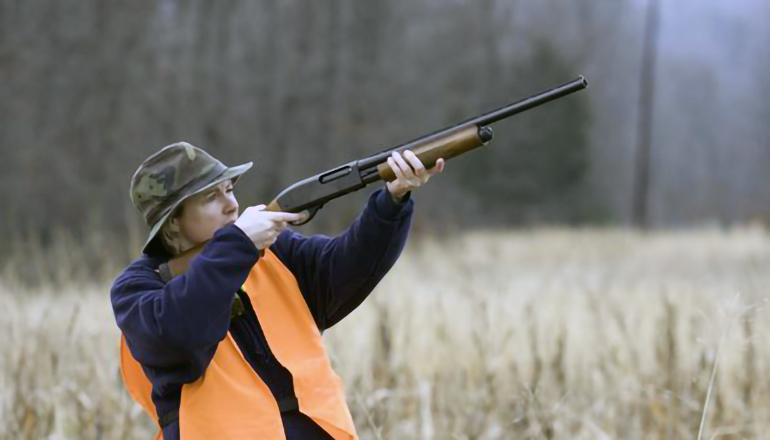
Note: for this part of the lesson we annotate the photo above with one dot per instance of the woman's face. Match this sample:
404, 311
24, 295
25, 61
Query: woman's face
206, 212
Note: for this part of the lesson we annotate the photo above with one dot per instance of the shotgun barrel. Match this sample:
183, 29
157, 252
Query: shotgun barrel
491, 117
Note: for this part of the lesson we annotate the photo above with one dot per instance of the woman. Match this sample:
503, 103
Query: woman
232, 348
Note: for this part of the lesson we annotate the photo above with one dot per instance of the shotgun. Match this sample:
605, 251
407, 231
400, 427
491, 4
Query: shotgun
314, 192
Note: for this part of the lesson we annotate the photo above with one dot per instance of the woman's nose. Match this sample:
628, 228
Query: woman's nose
232, 204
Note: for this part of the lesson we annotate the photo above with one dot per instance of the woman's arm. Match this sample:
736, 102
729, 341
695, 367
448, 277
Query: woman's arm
166, 324
337, 274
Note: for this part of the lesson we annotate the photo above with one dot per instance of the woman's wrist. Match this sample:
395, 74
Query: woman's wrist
397, 198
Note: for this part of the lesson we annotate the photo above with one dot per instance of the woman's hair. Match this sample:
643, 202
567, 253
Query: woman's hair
171, 239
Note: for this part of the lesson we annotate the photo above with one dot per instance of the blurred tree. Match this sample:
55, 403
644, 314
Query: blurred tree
646, 107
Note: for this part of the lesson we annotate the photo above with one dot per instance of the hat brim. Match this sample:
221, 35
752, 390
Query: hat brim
230, 173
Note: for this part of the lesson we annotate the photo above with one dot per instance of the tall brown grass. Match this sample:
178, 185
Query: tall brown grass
541, 334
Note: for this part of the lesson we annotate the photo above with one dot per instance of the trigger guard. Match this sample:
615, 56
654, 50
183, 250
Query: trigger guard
312, 212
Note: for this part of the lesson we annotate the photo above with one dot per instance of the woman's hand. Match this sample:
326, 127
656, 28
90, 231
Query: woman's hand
263, 227
409, 178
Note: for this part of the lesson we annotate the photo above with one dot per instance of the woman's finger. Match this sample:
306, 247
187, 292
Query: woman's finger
419, 168
407, 170
439, 167
396, 170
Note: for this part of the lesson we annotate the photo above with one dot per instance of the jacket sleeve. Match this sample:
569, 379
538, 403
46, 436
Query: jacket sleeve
337, 274
184, 320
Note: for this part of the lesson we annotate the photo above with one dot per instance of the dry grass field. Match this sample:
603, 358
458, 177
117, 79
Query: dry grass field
541, 334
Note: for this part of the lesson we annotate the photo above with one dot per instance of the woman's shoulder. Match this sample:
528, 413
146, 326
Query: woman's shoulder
145, 262
142, 268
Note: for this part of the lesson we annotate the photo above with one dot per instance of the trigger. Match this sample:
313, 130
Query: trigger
311, 214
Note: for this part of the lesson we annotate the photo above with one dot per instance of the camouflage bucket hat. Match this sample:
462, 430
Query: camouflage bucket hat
165, 179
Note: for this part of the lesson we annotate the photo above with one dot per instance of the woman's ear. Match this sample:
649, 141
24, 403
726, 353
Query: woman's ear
173, 224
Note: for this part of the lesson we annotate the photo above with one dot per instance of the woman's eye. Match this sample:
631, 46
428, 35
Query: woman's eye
229, 190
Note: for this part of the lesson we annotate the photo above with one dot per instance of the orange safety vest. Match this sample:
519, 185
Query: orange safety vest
230, 400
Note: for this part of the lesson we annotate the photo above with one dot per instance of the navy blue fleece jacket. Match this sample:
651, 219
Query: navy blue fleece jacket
173, 329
